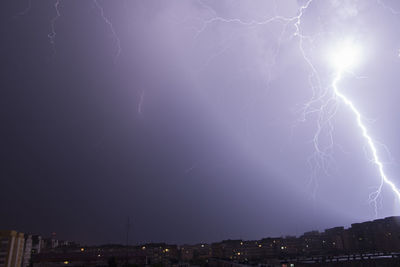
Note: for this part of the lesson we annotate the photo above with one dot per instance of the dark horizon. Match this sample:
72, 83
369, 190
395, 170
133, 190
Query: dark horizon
195, 119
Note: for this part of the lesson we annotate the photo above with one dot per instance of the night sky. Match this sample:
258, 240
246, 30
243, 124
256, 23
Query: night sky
189, 125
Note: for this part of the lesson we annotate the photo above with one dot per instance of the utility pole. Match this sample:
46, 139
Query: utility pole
128, 226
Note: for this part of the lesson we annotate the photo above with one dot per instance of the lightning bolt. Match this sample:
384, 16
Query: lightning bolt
27, 9
140, 104
318, 160
111, 27
370, 142
52, 34
323, 102
324, 119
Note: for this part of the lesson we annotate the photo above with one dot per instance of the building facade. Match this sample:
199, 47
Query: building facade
11, 248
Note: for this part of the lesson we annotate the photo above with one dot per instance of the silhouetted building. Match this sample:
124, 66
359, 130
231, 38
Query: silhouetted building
11, 248
26, 258
36, 244
335, 241
192, 253
373, 243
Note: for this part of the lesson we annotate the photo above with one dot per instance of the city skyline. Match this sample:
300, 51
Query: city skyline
364, 244
53, 235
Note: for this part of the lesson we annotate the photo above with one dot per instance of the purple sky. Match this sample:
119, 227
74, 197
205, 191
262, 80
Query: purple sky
188, 124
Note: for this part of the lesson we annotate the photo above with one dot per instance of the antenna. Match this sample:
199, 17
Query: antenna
128, 226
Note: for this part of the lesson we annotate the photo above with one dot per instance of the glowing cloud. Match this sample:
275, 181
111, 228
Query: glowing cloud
345, 55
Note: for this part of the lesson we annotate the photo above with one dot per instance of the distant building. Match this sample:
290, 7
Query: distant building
11, 248
36, 244
313, 242
51, 243
272, 246
26, 258
335, 239
372, 243
227, 249
91, 256
195, 252
160, 253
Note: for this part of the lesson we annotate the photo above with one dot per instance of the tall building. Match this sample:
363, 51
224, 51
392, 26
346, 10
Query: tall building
11, 248
26, 259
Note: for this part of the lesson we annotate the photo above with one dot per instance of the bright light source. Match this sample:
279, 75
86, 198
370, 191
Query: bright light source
345, 55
